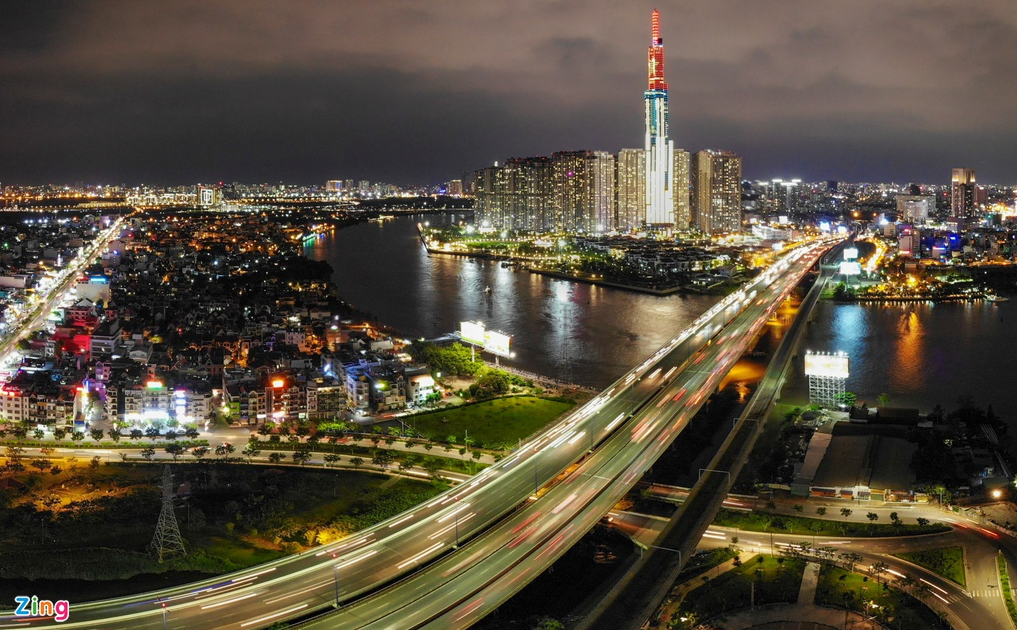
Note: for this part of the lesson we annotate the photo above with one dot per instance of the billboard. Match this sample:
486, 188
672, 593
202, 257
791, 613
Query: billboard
850, 268
472, 332
498, 343
835, 365
850, 253
491, 340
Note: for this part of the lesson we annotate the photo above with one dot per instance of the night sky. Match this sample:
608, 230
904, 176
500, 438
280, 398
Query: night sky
408, 92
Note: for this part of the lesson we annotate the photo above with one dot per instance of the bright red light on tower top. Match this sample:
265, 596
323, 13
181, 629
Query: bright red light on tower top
655, 57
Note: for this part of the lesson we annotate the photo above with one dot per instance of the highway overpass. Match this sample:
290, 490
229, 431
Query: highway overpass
482, 541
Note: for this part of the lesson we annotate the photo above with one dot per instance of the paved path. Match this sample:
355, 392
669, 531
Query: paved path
807, 594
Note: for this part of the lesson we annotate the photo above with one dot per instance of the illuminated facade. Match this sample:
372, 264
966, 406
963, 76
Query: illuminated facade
631, 190
682, 209
962, 193
717, 191
659, 150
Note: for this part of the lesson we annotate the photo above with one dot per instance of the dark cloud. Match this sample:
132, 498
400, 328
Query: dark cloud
419, 92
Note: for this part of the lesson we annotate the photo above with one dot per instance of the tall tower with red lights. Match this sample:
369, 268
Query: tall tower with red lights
659, 149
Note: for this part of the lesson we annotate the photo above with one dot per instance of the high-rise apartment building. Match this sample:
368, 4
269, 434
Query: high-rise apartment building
659, 149
631, 190
525, 186
682, 209
915, 209
571, 188
962, 197
603, 204
717, 191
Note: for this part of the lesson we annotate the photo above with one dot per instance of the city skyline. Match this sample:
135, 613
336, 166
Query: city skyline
231, 91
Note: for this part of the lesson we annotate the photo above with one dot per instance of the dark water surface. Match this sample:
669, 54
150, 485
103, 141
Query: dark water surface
920, 354
577, 332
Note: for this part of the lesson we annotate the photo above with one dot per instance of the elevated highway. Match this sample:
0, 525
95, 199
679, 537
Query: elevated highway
482, 541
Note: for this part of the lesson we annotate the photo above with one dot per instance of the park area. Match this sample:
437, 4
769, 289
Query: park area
900, 606
94, 523
494, 424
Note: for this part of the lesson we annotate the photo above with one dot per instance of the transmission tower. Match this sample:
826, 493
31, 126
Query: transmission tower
167, 538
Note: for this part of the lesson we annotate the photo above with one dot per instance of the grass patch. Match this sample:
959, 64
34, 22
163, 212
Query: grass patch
777, 580
765, 522
238, 550
946, 561
236, 516
1004, 585
840, 588
497, 423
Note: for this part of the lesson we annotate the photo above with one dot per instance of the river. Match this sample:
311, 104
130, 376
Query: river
573, 331
920, 354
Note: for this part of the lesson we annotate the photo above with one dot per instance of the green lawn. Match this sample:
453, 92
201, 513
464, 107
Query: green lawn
781, 523
842, 589
946, 561
501, 422
776, 580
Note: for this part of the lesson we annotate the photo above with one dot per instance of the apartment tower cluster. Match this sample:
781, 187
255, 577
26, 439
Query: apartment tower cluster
657, 188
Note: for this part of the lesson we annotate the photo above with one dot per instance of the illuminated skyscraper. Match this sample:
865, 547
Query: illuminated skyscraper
717, 191
962, 197
659, 150
631, 189
682, 209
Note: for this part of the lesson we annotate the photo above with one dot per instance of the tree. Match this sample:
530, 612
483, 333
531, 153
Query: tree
845, 512
199, 452
175, 449
77, 436
547, 623
878, 569
301, 457
821, 511
42, 464
922, 521
895, 518
846, 399
798, 507
96, 434
148, 453
275, 458
59, 433
331, 459
873, 517
39, 434
251, 451
225, 450
114, 434
382, 458
357, 462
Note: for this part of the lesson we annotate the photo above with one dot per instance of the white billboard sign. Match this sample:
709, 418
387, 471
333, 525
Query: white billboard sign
835, 365
472, 332
498, 343
850, 268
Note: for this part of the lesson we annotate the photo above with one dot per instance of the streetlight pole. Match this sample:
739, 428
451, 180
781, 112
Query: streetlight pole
164, 616
677, 551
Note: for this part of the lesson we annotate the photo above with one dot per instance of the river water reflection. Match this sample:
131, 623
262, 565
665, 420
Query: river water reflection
919, 354
577, 332
922, 354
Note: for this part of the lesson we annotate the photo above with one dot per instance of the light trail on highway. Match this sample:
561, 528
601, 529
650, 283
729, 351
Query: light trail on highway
620, 427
